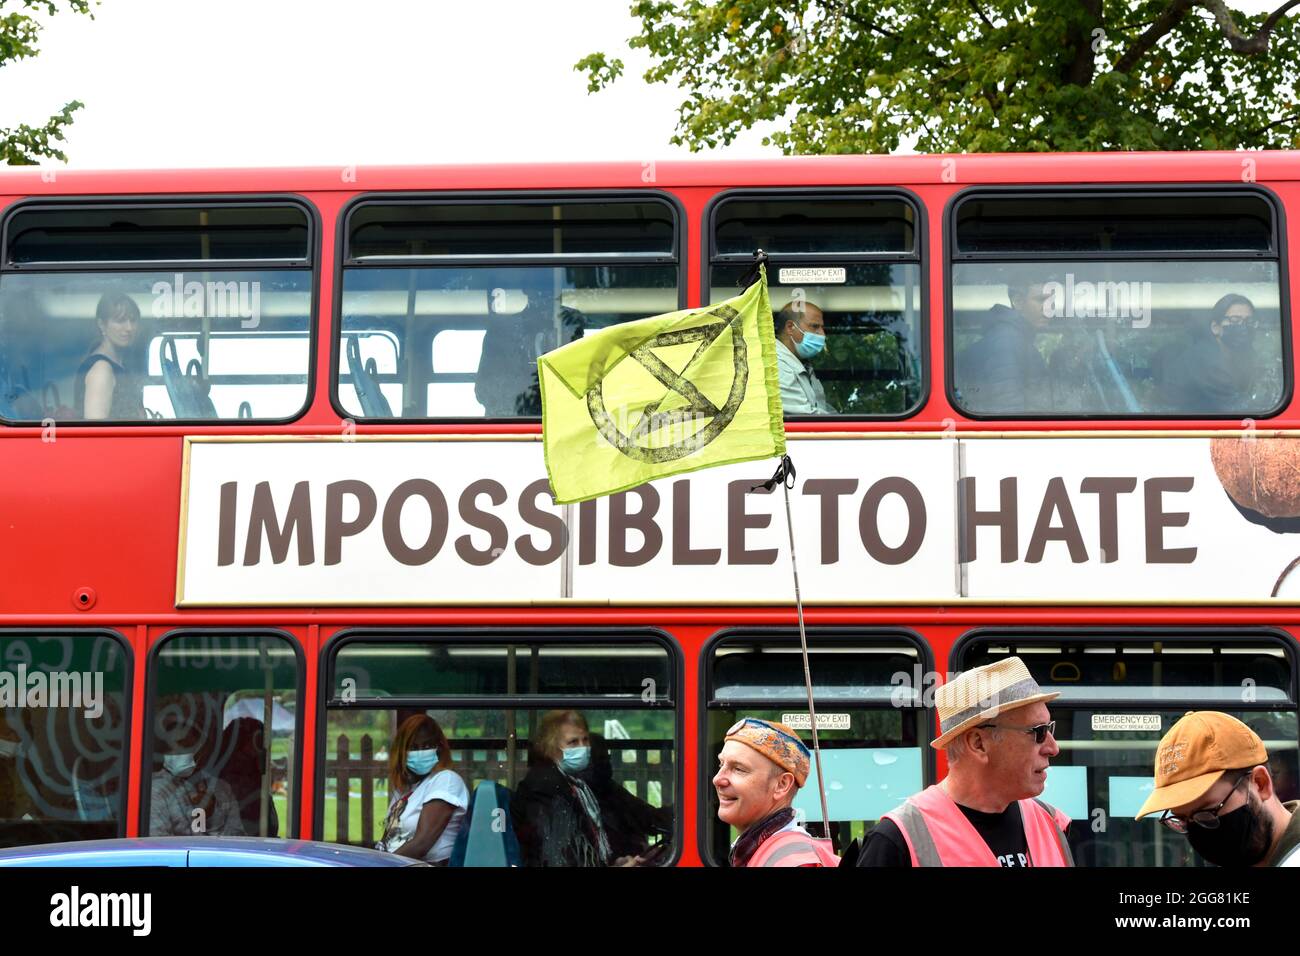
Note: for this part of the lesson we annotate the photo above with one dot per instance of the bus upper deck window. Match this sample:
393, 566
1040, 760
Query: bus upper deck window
155, 312
472, 292
844, 281
1159, 305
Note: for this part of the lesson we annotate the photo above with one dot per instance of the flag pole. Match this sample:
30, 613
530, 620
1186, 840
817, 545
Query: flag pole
785, 474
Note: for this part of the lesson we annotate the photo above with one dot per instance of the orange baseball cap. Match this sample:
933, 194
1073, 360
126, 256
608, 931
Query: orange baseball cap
1196, 752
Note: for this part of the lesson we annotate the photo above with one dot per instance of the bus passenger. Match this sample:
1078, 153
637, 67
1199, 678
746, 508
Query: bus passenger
760, 770
630, 822
105, 387
1004, 371
800, 337
1201, 766
557, 816
243, 752
186, 799
997, 733
426, 798
1213, 372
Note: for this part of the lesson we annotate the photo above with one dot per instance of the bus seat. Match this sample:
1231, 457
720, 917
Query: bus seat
199, 388
365, 379
91, 805
188, 389
488, 837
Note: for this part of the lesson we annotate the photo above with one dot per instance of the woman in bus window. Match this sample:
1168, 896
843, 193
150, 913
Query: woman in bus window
557, 816
105, 388
1215, 371
426, 798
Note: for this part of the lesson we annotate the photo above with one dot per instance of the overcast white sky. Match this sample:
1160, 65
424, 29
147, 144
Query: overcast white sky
331, 82
171, 83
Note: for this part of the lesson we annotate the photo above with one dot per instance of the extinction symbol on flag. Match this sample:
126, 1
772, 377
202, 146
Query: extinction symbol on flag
698, 410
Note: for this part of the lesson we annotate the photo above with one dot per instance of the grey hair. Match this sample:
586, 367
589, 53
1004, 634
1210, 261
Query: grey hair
957, 748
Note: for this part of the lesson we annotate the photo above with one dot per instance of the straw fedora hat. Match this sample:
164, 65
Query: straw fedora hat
983, 693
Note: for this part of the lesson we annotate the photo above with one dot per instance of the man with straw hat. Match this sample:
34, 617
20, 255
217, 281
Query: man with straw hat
760, 770
1214, 788
997, 733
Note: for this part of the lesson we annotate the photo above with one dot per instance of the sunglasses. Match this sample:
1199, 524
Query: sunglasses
1039, 731
1207, 819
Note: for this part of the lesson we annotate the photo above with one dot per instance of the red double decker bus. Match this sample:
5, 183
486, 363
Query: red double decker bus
272, 485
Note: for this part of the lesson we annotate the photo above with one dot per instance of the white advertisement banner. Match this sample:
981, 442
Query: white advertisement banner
918, 519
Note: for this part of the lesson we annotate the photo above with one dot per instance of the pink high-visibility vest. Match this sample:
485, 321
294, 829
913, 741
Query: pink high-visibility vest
794, 848
939, 834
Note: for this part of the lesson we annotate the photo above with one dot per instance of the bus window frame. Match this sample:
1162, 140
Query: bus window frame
919, 256
788, 635
1278, 254
289, 829
1115, 635
194, 200
1223, 635
491, 197
488, 635
128, 698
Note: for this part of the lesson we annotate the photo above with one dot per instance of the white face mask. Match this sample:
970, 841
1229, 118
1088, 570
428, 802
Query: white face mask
178, 764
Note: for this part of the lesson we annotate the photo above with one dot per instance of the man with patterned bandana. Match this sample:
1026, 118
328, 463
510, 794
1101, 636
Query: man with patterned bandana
760, 770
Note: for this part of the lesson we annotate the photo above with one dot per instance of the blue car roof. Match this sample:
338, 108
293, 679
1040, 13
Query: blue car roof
175, 851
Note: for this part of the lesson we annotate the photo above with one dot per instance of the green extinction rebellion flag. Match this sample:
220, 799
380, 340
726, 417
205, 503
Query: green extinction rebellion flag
661, 396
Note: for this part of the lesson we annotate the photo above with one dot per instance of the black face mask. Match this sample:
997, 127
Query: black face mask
1239, 338
1241, 838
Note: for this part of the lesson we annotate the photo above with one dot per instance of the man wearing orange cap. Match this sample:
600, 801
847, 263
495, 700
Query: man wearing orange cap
997, 733
1214, 787
760, 770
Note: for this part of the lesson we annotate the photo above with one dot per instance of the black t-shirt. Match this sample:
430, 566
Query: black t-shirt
1003, 832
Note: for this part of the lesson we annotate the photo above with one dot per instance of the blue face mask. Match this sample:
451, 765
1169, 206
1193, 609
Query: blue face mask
810, 345
575, 759
178, 764
420, 762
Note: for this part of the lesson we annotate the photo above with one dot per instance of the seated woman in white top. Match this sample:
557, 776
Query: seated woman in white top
426, 798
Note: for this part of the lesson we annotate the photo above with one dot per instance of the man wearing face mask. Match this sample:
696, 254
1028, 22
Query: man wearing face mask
800, 337
1214, 787
186, 800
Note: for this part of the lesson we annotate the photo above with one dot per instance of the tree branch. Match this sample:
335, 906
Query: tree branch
1079, 71
980, 13
870, 25
1289, 117
1152, 35
1239, 42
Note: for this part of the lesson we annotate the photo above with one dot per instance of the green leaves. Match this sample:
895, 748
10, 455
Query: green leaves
25, 145
969, 75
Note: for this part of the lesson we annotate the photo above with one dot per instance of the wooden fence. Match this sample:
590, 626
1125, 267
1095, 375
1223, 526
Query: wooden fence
637, 764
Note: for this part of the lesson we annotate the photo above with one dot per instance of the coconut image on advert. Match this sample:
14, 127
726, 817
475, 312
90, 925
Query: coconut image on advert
1262, 478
